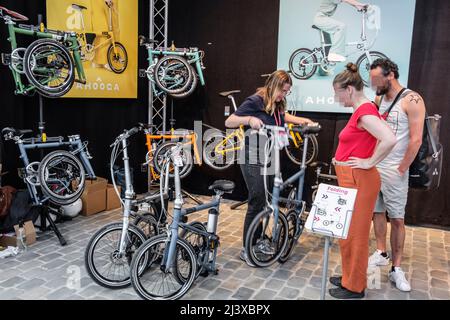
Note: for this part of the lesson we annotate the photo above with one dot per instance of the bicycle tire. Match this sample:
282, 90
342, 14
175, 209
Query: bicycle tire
57, 60
291, 218
296, 70
253, 240
147, 223
183, 250
198, 242
190, 89
62, 177
180, 70
105, 279
160, 157
111, 58
363, 65
210, 145
295, 153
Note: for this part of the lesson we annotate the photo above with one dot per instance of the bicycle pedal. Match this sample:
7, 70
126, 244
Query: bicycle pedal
6, 59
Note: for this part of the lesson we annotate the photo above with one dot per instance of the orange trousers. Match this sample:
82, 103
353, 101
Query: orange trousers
355, 249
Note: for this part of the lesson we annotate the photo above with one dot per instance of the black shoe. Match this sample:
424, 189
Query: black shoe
337, 281
342, 293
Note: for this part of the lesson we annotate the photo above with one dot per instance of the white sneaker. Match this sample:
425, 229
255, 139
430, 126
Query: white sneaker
334, 57
398, 276
376, 259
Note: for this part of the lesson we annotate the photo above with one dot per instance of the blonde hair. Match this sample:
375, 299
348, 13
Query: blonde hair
272, 88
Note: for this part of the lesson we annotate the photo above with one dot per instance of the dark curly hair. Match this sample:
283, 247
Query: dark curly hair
387, 66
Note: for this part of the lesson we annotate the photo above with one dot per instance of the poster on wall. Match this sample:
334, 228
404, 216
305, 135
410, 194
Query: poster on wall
316, 35
107, 32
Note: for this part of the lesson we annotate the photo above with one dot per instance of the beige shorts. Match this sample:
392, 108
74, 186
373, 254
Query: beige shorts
393, 194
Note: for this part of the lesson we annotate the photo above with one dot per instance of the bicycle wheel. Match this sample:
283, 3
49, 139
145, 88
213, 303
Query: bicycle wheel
103, 262
173, 74
218, 152
295, 153
190, 88
160, 157
154, 282
147, 223
198, 242
302, 63
62, 177
363, 65
291, 218
258, 242
118, 60
48, 66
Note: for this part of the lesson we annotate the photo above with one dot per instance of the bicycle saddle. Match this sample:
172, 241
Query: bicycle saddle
222, 185
316, 27
14, 15
227, 93
78, 7
318, 164
144, 40
15, 132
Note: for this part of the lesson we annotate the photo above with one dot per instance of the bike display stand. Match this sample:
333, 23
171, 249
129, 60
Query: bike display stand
326, 251
44, 214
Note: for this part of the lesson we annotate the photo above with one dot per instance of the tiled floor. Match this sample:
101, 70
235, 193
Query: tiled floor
50, 271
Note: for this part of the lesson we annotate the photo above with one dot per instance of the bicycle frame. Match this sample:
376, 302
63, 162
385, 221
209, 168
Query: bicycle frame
130, 196
192, 56
172, 134
279, 185
75, 146
110, 33
169, 255
69, 39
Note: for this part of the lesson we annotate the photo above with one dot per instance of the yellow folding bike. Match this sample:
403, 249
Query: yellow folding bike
220, 149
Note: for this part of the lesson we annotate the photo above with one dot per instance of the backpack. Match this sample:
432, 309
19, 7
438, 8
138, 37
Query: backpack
425, 170
6, 196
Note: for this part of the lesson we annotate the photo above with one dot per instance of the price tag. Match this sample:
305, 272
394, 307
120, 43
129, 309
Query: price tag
177, 160
283, 139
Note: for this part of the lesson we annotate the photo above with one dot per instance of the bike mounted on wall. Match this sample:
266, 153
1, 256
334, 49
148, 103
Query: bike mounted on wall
49, 63
171, 70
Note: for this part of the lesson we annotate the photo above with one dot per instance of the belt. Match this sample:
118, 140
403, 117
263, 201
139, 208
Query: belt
339, 163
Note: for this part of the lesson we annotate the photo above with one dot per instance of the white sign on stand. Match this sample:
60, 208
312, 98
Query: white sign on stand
331, 211
330, 215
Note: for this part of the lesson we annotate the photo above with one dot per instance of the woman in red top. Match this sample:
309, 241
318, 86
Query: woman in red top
365, 141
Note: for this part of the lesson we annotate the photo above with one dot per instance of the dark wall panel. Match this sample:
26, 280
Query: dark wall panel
240, 42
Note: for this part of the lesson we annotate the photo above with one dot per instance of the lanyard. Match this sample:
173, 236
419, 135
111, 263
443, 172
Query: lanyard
277, 119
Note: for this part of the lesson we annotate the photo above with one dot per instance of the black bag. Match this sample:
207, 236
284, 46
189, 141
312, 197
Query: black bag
425, 170
21, 210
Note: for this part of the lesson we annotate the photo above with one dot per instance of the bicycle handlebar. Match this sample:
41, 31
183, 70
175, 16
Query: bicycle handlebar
308, 129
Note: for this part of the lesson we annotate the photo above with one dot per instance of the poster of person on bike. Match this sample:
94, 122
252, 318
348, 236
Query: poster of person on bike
317, 38
107, 31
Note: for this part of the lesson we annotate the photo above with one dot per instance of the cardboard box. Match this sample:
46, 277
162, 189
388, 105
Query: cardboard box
30, 234
94, 196
112, 200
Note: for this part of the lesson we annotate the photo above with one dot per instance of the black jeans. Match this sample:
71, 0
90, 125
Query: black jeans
254, 180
